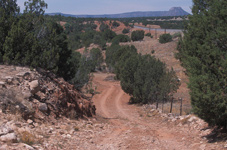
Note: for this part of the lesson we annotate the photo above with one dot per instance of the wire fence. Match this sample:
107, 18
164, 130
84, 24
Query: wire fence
177, 107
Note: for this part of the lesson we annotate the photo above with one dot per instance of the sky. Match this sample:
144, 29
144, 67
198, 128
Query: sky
96, 7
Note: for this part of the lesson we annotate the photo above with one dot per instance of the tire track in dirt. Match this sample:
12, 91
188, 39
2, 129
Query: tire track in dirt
112, 104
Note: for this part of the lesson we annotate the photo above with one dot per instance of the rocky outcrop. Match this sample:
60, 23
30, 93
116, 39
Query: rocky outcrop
40, 95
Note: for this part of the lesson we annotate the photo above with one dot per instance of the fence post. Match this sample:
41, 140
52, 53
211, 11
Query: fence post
155, 33
181, 106
171, 106
156, 100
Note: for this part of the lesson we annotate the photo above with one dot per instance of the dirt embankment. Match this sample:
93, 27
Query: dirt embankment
40, 95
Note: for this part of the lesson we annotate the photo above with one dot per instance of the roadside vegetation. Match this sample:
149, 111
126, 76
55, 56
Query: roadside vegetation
165, 38
203, 53
137, 35
145, 78
31, 39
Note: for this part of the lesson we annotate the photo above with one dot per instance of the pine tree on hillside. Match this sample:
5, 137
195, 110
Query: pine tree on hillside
8, 16
203, 51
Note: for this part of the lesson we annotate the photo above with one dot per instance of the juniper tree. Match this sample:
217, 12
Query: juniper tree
203, 51
9, 11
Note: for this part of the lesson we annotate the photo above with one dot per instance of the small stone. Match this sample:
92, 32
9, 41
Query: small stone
5, 130
11, 137
4, 147
2, 84
68, 136
36, 124
21, 74
9, 79
203, 147
29, 121
25, 146
43, 107
27, 94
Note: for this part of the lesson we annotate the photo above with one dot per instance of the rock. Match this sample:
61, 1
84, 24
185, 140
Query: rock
29, 121
27, 94
11, 137
191, 119
4, 147
5, 130
2, 84
25, 146
22, 74
43, 107
203, 147
9, 79
34, 86
68, 136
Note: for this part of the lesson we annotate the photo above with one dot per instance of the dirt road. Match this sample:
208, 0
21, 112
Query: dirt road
133, 129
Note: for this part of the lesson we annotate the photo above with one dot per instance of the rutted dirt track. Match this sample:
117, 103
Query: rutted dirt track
132, 129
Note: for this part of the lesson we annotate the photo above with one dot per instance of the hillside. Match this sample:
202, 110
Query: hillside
117, 125
174, 11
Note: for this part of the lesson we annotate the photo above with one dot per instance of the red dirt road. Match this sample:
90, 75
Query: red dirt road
132, 129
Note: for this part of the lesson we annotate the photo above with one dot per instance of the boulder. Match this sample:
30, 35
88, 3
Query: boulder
34, 86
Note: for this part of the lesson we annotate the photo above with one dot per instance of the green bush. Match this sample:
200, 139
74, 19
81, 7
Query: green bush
125, 31
126, 23
103, 27
115, 24
148, 34
137, 35
108, 35
96, 57
120, 38
165, 38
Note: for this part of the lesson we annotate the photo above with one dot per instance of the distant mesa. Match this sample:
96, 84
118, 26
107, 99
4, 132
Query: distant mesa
174, 11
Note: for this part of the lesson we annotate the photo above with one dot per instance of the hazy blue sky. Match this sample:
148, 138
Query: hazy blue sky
111, 6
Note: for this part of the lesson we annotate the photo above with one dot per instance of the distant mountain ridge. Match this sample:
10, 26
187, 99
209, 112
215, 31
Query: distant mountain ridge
174, 11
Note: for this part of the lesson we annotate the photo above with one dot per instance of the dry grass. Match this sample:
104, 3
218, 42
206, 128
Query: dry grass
185, 120
76, 128
28, 138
